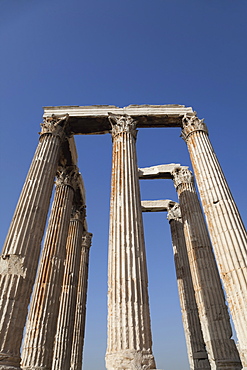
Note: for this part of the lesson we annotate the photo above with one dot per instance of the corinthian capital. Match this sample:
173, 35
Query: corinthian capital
87, 239
67, 176
174, 212
78, 212
54, 125
182, 175
192, 124
121, 124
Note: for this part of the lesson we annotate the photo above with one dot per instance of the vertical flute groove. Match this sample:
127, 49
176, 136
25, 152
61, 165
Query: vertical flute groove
66, 316
41, 324
19, 260
129, 331
225, 225
197, 354
209, 294
80, 312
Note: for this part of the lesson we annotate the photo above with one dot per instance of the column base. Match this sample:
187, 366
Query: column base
130, 360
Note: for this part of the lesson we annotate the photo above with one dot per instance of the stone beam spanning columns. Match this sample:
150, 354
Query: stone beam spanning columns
209, 294
19, 260
80, 313
161, 205
67, 306
197, 354
42, 319
129, 329
225, 225
94, 119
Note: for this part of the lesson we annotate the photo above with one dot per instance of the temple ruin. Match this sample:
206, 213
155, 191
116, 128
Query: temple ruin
46, 294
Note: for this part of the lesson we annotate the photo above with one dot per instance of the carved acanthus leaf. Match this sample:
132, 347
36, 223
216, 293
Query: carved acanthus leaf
182, 175
122, 123
174, 212
192, 124
54, 125
78, 212
67, 176
87, 240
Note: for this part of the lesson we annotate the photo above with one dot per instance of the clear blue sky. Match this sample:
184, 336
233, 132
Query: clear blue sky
58, 52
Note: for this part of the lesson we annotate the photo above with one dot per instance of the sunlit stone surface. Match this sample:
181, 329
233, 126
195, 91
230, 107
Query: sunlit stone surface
129, 332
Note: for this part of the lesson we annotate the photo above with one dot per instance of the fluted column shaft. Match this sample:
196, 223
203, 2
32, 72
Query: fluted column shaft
66, 315
129, 330
225, 225
197, 354
19, 260
209, 294
42, 317
80, 312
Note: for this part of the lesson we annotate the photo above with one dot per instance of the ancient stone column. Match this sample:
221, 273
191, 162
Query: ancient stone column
129, 329
215, 321
43, 313
197, 354
80, 312
66, 315
19, 260
225, 225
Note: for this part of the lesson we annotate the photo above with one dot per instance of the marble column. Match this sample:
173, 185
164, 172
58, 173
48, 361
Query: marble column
213, 313
19, 260
225, 225
197, 354
66, 315
80, 311
129, 329
42, 318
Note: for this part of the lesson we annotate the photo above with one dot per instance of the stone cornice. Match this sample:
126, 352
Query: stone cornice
191, 124
120, 124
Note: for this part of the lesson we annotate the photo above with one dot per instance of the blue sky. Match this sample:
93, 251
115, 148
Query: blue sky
119, 53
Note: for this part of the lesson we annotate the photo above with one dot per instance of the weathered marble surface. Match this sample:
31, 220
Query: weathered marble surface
226, 228
19, 260
129, 331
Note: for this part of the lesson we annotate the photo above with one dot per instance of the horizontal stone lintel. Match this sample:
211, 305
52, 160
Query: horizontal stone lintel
162, 171
162, 205
94, 119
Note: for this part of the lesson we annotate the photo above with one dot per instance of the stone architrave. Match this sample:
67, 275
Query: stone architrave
66, 315
19, 260
129, 329
42, 318
213, 313
80, 312
197, 354
225, 225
